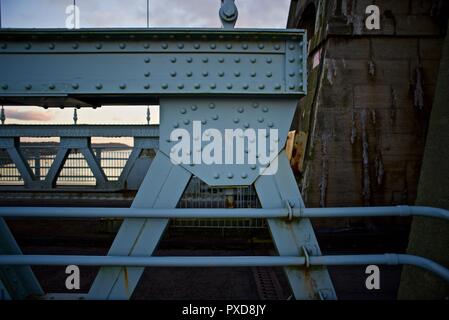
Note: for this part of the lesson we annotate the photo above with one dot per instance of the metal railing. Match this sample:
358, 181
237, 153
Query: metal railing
76, 170
306, 260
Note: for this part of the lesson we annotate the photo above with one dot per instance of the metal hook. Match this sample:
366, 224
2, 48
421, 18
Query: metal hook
306, 256
289, 210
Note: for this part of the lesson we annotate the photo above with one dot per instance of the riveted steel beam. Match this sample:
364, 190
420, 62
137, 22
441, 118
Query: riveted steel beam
95, 67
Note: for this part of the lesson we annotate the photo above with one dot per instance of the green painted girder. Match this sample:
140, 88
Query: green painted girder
92, 67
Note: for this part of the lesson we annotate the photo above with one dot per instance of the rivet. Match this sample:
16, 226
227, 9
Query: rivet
237, 60
277, 87
196, 46
270, 124
28, 86
213, 86
291, 46
194, 107
164, 46
189, 74
205, 60
245, 86
253, 74
183, 110
277, 47
229, 46
236, 120
216, 176
292, 87
261, 86
176, 125
253, 167
99, 46
229, 86
186, 121
244, 46
123, 86
5, 87
291, 74
230, 175
240, 110
164, 86
255, 105
75, 46
75, 86
99, 86
237, 74
261, 46
246, 125
180, 45
51, 87
244, 175
146, 45
291, 60
205, 74
146, 86
253, 60
173, 60
213, 46
269, 74
189, 60
204, 121
215, 117
221, 74
212, 105
122, 45
4, 45
260, 119
269, 60
221, 60
197, 86
265, 109
173, 74
147, 60
147, 74
51, 46
180, 86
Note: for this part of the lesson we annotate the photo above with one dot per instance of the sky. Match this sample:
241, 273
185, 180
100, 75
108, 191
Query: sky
127, 13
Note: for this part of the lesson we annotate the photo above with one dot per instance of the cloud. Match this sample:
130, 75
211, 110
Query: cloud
31, 115
132, 13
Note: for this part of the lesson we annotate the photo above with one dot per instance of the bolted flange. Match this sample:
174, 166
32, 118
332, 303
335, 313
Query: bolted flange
228, 14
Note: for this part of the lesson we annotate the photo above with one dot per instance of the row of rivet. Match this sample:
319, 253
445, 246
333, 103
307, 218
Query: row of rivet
164, 46
221, 74
164, 86
221, 60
